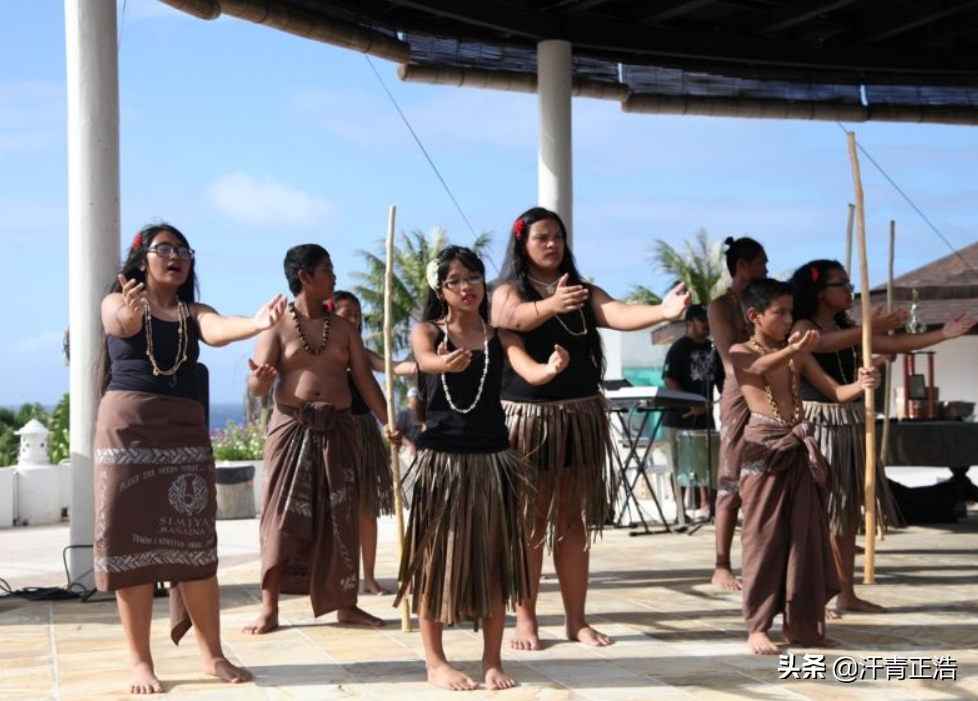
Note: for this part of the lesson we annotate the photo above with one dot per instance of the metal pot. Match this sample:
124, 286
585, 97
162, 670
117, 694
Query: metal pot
956, 410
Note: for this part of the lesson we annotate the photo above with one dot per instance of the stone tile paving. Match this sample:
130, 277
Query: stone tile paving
677, 637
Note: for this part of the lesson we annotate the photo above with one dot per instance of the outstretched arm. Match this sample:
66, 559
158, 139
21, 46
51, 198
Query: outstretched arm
122, 312
525, 366
401, 367
615, 314
217, 330
511, 312
906, 342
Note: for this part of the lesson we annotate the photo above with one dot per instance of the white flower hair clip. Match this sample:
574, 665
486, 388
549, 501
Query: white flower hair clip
431, 272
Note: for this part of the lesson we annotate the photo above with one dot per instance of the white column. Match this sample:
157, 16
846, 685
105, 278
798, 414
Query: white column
93, 236
555, 176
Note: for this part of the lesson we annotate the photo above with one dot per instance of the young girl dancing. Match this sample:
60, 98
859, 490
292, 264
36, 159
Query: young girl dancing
466, 554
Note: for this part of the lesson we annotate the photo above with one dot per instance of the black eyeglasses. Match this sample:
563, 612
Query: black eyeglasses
165, 250
455, 284
848, 286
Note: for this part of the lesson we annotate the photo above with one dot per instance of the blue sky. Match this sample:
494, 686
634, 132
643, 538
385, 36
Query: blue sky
251, 140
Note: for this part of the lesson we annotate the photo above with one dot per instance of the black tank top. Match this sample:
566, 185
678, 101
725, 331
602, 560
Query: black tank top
130, 369
580, 379
840, 366
358, 406
482, 430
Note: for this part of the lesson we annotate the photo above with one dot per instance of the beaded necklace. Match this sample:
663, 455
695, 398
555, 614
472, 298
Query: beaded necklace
302, 337
795, 391
181, 340
482, 380
551, 290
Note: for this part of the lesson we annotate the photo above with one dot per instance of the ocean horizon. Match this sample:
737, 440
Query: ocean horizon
221, 413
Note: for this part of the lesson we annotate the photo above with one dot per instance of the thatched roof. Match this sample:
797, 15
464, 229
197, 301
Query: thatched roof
854, 60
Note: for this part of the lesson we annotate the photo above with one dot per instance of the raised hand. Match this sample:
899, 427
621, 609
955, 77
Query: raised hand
457, 360
567, 298
263, 374
133, 295
883, 322
558, 360
803, 341
270, 313
676, 302
869, 378
958, 326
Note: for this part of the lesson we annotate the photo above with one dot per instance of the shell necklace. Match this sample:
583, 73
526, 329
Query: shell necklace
482, 380
551, 290
182, 313
293, 312
795, 392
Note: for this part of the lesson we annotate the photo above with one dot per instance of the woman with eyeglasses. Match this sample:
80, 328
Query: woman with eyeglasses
562, 427
155, 496
823, 296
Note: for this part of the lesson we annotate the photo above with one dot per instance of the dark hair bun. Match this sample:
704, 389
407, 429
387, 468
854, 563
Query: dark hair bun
729, 241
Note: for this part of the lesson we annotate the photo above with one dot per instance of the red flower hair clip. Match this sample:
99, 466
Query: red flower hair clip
518, 227
815, 274
137, 241
330, 305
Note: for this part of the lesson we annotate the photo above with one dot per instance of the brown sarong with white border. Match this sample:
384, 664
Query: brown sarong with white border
787, 561
734, 415
309, 520
155, 499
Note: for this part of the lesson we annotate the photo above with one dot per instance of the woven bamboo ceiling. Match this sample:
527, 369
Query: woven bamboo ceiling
904, 60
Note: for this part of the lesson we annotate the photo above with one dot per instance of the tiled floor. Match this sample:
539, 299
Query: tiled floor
676, 636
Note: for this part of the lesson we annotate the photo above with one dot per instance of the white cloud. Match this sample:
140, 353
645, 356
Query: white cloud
262, 202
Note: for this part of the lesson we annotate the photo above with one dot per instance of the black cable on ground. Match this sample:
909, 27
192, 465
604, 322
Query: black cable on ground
72, 590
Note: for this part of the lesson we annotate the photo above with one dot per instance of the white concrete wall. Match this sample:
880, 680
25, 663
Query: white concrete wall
630, 349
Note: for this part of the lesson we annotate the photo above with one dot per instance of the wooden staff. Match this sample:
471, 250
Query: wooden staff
850, 216
869, 490
888, 388
389, 383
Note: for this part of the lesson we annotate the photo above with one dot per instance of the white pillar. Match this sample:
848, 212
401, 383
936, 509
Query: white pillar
93, 236
555, 177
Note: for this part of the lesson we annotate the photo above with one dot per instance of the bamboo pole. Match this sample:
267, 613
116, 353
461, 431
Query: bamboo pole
888, 388
389, 386
851, 214
869, 491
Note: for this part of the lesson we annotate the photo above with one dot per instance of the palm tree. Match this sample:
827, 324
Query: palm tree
412, 251
700, 266
640, 294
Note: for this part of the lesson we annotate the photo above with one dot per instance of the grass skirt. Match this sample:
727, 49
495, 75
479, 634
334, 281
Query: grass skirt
840, 430
466, 547
375, 485
569, 444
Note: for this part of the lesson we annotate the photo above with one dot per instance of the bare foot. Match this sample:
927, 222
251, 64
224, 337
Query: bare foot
724, 578
225, 671
266, 622
372, 586
143, 680
356, 616
443, 675
589, 636
760, 644
496, 679
854, 603
526, 636
832, 614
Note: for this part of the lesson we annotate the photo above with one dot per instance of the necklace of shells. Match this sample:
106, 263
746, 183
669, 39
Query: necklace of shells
182, 314
293, 312
795, 391
551, 289
482, 380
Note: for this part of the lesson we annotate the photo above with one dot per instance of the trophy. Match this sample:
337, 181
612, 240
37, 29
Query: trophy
915, 324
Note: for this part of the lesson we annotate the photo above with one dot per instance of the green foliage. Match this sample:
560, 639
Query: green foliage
59, 442
700, 265
640, 294
12, 421
239, 442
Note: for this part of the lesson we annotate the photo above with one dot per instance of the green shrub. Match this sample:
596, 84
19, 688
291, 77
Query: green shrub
239, 442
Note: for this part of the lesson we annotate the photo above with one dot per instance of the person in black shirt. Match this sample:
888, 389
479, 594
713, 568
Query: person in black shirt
691, 366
